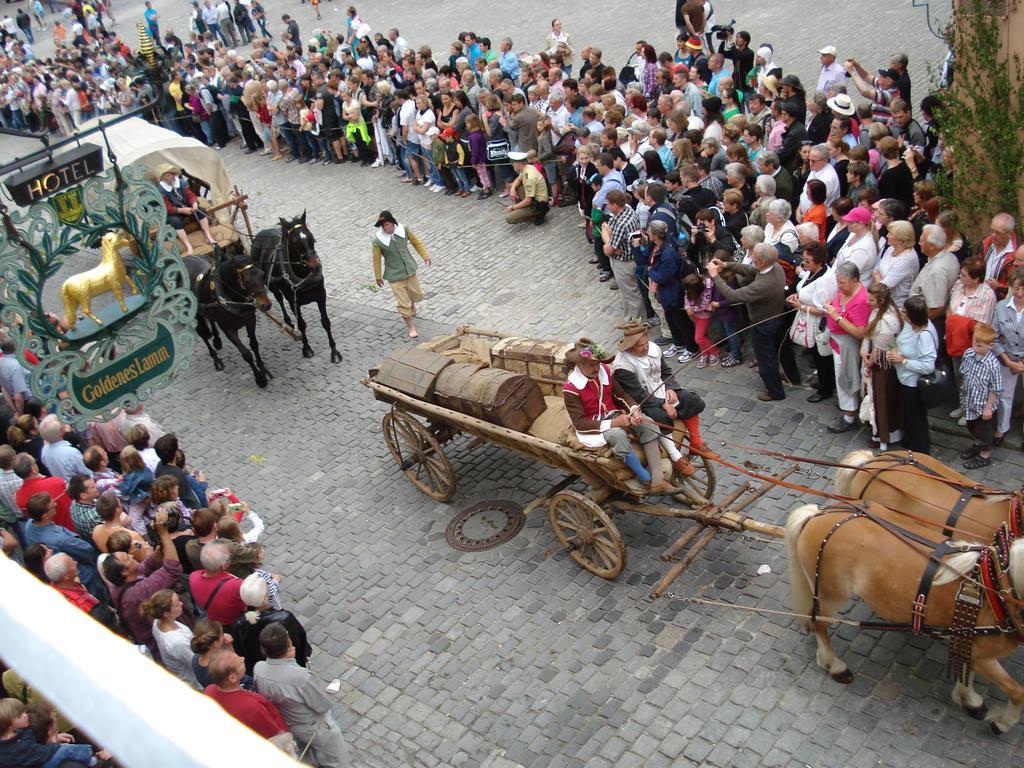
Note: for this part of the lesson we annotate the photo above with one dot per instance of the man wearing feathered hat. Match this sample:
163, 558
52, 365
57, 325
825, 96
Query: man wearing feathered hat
602, 413
641, 371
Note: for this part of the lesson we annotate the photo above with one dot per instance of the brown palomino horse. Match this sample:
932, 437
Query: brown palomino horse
912, 483
837, 552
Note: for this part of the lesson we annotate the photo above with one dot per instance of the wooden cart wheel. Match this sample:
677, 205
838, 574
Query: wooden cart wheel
700, 486
587, 533
418, 453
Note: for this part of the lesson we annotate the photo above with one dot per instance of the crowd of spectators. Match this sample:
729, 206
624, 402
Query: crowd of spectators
116, 521
728, 202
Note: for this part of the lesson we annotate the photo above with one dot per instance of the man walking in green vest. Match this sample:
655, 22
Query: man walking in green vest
392, 243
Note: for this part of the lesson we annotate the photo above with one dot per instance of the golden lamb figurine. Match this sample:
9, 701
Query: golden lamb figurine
79, 290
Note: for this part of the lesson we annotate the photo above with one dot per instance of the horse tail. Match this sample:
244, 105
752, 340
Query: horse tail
799, 588
844, 477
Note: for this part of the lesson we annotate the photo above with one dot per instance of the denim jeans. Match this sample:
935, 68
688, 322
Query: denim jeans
460, 178
207, 131
81, 753
296, 144
734, 342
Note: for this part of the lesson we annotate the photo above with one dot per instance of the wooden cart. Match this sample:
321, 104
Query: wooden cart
417, 430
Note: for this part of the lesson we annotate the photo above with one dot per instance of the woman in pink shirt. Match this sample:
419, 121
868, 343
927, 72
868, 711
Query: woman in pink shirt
848, 314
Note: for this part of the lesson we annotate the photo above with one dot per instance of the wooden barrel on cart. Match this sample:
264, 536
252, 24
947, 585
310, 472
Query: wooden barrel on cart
505, 398
412, 371
543, 361
450, 384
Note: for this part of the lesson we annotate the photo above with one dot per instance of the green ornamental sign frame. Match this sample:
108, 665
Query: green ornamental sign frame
118, 354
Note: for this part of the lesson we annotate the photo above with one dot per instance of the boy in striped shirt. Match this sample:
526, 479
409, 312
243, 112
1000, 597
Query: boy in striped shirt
981, 384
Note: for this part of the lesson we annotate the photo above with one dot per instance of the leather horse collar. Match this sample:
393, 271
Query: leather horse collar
220, 293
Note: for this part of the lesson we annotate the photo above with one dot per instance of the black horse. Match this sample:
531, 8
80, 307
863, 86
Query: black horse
229, 288
289, 260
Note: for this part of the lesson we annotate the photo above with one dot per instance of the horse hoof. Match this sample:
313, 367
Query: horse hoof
307, 352
218, 365
217, 344
978, 712
335, 356
261, 380
996, 729
845, 677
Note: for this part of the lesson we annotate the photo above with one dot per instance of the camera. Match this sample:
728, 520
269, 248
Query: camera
724, 30
173, 525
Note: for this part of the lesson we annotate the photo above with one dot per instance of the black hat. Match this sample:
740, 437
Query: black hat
892, 74
792, 81
385, 216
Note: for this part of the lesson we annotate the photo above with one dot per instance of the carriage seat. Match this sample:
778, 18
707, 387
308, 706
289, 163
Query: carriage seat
554, 426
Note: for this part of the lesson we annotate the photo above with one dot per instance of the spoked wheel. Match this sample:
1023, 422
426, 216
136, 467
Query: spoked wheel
587, 533
419, 455
698, 488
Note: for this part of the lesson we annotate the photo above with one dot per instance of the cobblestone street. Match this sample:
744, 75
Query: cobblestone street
516, 656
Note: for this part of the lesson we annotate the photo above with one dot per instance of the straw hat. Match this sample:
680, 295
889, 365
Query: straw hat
166, 168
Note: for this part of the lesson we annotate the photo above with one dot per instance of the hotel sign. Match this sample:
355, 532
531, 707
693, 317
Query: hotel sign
67, 170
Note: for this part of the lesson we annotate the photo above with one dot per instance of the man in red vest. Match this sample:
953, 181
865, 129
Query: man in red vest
602, 413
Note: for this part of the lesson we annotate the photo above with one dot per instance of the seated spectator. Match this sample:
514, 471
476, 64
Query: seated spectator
196, 479
134, 583
246, 630
33, 482
173, 638
209, 639
227, 671
167, 450
9, 485
41, 530
165, 491
60, 457
215, 590
97, 460
204, 524
83, 493
112, 519
62, 571
19, 746
135, 487
299, 697
23, 437
34, 559
229, 530
138, 438
106, 435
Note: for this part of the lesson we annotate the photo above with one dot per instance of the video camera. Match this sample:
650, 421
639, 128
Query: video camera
724, 30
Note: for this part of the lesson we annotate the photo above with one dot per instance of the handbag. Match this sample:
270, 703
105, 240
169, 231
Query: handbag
800, 332
938, 387
497, 150
823, 339
627, 74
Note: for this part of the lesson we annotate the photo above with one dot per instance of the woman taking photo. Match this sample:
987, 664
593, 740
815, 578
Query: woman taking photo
899, 264
916, 349
883, 388
814, 290
847, 323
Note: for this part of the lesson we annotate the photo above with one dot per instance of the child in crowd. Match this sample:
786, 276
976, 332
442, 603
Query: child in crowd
454, 160
981, 384
19, 745
697, 299
478, 154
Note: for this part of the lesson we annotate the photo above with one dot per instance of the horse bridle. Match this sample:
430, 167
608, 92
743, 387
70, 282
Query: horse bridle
294, 282
220, 299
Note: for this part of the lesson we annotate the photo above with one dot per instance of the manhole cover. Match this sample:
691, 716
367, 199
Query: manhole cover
485, 526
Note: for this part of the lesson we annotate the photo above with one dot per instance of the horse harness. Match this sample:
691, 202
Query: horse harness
216, 286
988, 579
282, 265
967, 492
